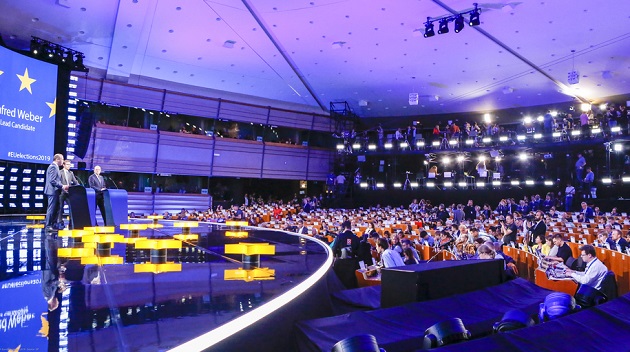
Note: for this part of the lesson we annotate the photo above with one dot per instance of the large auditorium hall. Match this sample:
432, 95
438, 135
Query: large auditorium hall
345, 176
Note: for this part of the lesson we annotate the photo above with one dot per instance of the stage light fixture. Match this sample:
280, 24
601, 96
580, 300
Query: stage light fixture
404, 145
615, 129
446, 160
388, 145
527, 120
414, 184
339, 146
420, 144
474, 17
521, 137
625, 179
372, 147
503, 139
496, 183
460, 158
603, 106
487, 118
397, 184
585, 107
596, 130
435, 143
356, 146
513, 320
430, 184
469, 141
556, 305
453, 142
556, 134
606, 180
540, 118
380, 185
548, 183
617, 147
522, 156
486, 140
357, 343
462, 184
537, 135
554, 113
481, 158
481, 184
429, 31
514, 182
459, 23
529, 182
443, 28
363, 184
575, 132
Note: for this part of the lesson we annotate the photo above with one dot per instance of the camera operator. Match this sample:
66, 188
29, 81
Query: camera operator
508, 229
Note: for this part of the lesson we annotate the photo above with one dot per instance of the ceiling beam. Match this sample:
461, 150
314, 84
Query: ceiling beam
284, 54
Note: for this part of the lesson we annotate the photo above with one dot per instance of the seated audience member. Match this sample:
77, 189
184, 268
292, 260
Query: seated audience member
406, 244
541, 244
595, 270
601, 240
564, 251
409, 258
428, 240
616, 242
395, 244
389, 258
486, 252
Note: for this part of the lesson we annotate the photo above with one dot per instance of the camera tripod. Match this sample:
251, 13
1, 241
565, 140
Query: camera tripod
407, 181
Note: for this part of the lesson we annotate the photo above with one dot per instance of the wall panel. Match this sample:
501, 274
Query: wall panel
320, 164
290, 119
244, 113
184, 154
124, 149
191, 105
115, 93
237, 158
285, 162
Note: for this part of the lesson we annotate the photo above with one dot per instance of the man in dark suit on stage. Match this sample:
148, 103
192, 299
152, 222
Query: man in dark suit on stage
53, 189
97, 183
67, 178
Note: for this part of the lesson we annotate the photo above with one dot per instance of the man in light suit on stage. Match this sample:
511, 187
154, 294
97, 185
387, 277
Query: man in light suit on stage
67, 178
53, 189
97, 183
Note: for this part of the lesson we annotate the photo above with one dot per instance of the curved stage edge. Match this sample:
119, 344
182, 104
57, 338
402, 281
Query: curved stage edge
270, 327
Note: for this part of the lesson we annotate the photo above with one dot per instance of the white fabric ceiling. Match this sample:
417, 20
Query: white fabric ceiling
310, 53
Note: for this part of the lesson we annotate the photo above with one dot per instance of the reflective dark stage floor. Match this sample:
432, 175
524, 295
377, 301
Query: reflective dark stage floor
147, 294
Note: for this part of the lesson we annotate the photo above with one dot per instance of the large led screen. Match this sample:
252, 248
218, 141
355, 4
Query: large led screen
28, 99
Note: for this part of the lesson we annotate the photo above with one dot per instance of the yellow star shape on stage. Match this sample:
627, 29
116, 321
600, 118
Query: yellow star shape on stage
26, 81
53, 108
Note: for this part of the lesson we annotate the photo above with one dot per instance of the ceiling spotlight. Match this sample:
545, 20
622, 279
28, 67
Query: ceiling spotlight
428, 29
459, 23
474, 16
443, 26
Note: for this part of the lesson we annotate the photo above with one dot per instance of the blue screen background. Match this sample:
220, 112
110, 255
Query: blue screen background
28, 93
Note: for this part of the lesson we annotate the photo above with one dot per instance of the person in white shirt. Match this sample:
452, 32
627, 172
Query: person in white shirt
595, 270
389, 258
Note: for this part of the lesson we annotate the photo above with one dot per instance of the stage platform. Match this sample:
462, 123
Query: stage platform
204, 298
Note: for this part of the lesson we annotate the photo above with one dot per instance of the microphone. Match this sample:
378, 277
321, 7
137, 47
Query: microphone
80, 181
112, 181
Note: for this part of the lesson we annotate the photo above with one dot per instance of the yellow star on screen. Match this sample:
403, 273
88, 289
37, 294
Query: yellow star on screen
53, 108
1, 72
17, 349
26, 81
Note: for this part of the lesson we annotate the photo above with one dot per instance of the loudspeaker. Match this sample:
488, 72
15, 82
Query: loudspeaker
444, 333
86, 121
359, 343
